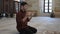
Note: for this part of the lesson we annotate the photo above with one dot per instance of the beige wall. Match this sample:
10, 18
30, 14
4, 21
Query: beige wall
38, 5
56, 8
57, 5
34, 5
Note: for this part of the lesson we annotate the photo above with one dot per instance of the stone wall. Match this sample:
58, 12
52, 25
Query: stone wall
56, 8
38, 5
56, 5
34, 5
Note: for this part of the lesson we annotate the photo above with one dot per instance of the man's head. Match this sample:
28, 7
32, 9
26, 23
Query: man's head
23, 5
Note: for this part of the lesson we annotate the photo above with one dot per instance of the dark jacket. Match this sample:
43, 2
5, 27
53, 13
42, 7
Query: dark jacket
20, 24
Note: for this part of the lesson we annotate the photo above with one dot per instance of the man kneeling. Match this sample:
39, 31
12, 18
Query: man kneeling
22, 19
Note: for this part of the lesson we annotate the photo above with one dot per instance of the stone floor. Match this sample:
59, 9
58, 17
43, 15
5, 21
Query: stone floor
44, 25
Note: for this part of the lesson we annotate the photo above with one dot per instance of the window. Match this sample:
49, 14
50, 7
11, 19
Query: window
17, 4
47, 6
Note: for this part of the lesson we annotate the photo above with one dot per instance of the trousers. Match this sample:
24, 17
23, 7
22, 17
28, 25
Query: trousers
29, 30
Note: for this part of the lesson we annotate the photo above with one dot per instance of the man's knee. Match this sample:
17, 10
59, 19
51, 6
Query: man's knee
35, 30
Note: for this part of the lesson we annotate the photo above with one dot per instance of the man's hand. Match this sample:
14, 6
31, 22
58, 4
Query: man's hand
24, 19
28, 15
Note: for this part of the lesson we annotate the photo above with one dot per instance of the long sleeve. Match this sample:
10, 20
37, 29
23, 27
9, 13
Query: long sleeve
19, 17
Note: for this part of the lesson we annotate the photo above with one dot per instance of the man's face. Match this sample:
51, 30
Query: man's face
24, 7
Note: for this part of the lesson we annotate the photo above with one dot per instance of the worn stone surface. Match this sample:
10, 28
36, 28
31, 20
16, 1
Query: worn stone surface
44, 25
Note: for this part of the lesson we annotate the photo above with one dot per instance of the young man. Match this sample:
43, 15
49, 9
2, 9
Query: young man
22, 19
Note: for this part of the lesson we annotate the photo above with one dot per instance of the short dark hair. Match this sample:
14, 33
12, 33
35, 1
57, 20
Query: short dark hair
23, 3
